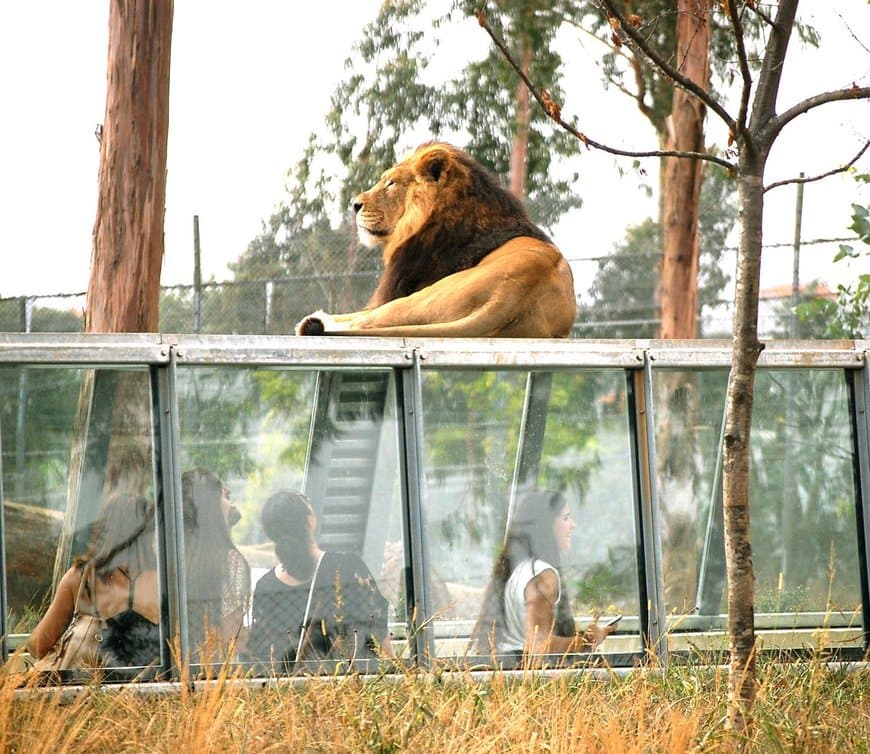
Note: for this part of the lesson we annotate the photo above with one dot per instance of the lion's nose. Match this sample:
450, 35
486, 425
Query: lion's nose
357, 206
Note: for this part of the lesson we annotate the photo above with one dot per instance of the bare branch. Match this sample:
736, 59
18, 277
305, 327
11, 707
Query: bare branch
758, 12
841, 169
554, 112
743, 60
669, 71
776, 124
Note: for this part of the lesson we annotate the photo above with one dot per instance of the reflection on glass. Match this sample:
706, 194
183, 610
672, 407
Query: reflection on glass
218, 576
37, 414
565, 431
78, 459
802, 499
331, 434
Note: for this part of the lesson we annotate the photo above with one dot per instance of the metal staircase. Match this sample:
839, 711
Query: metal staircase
352, 455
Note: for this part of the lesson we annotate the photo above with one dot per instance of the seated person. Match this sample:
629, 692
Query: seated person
218, 576
119, 583
525, 608
346, 614
118, 580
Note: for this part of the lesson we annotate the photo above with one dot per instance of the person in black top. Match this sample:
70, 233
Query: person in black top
346, 613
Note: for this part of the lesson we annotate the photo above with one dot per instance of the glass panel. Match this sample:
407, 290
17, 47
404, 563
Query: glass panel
79, 501
802, 489
574, 439
260, 437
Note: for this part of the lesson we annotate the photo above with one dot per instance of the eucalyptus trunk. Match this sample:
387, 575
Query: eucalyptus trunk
681, 178
124, 287
522, 121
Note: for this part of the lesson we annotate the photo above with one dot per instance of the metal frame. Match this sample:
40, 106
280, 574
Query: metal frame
650, 574
170, 522
408, 357
409, 411
861, 413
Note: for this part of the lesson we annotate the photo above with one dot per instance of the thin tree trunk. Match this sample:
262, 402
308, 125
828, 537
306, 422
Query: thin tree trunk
124, 287
735, 483
681, 182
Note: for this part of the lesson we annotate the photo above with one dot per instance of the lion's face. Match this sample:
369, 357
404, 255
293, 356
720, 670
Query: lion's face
398, 205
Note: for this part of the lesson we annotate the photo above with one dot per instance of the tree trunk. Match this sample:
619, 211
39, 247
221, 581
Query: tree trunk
738, 414
124, 287
681, 181
520, 150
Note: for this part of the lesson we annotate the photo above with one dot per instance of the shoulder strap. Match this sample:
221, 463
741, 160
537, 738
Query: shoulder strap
88, 581
131, 585
308, 604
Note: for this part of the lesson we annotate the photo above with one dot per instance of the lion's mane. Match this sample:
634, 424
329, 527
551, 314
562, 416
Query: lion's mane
469, 216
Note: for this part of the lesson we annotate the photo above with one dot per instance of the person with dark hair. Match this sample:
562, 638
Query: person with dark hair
218, 576
525, 608
116, 579
313, 604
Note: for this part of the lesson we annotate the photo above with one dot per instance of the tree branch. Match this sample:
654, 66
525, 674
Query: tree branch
758, 12
743, 61
841, 169
554, 112
777, 123
684, 83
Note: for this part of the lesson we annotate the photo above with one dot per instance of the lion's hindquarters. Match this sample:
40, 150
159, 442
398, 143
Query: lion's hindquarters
522, 289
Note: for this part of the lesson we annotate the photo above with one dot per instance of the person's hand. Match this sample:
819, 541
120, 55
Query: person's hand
595, 634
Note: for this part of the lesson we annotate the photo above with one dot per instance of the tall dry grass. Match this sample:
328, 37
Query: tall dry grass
801, 708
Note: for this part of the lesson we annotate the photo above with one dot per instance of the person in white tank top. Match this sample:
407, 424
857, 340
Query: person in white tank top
525, 609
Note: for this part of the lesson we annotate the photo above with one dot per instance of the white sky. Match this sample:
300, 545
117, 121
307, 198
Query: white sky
249, 83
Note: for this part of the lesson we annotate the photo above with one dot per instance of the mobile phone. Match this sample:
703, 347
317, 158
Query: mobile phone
610, 621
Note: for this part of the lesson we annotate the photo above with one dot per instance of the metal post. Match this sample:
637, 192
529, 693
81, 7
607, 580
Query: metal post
197, 278
796, 263
789, 504
647, 518
26, 313
409, 400
170, 517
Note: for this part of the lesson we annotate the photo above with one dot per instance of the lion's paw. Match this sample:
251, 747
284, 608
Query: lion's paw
313, 324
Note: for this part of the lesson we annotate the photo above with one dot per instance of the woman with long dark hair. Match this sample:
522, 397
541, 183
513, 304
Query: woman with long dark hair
332, 593
218, 576
525, 607
116, 579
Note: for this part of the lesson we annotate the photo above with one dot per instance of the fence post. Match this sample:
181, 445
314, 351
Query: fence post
197, 278
796, 264
267, 314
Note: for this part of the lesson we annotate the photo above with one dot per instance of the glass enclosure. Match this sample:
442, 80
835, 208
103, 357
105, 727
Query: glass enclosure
200, 480
803, 517
488, 436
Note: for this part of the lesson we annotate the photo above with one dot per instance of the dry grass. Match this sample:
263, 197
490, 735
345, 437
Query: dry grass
801, 708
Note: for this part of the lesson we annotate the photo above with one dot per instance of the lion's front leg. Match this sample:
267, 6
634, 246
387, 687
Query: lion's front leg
321, 323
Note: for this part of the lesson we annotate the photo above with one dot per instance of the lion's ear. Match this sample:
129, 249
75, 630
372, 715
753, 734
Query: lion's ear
433, 164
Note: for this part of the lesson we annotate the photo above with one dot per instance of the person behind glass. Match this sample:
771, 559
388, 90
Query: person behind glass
218, 576
525, 608
347, 615
120, 585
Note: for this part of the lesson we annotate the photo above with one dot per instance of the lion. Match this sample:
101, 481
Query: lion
461, 257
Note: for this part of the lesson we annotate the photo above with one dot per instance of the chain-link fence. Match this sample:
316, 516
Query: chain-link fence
275, 306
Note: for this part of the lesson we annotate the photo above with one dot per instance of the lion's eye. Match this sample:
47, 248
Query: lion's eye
390, 184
